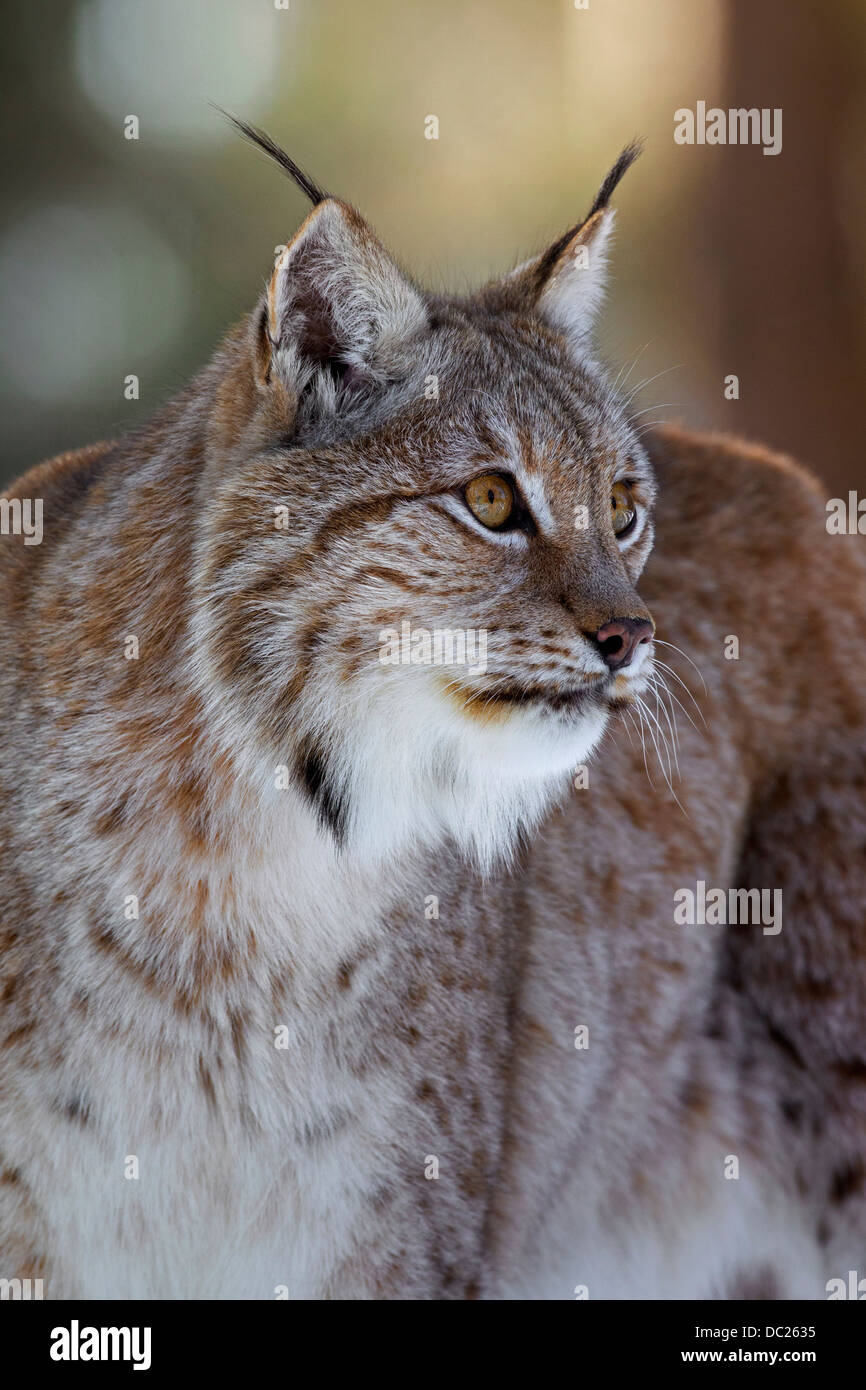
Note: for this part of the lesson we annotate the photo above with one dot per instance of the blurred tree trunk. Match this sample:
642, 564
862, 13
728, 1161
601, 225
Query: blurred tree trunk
787, 228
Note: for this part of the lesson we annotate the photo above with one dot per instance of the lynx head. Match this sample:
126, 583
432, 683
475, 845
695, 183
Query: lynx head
426, 518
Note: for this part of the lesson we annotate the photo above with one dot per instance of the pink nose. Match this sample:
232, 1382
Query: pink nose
619, 639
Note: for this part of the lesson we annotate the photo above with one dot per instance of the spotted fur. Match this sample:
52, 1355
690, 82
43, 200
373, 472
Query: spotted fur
284, 809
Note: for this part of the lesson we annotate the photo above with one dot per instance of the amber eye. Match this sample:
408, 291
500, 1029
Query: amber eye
491, 499
623, 511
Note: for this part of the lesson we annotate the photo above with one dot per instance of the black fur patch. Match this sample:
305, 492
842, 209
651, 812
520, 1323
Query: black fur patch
846, 1181
792, 1111
312, 771
77, 1108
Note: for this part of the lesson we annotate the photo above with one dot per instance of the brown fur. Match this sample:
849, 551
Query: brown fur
412, 1037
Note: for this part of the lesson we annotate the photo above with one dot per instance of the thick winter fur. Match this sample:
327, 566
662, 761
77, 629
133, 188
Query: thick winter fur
286, 1037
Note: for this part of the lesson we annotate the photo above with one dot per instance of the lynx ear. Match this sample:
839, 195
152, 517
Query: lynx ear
339, 312
565, 286
572, 277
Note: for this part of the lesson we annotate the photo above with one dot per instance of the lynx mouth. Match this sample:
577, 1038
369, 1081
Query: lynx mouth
572, 700
609, 693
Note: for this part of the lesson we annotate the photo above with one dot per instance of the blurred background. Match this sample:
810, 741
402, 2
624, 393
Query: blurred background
122, 256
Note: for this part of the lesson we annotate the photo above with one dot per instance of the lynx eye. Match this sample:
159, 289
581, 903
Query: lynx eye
491, 499
622, 509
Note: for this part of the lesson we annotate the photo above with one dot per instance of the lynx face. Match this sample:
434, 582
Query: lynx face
416, 585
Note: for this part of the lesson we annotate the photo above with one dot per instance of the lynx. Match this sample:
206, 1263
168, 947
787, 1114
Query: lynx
325, 976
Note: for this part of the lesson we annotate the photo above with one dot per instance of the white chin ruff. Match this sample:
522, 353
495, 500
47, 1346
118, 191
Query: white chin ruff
417, 769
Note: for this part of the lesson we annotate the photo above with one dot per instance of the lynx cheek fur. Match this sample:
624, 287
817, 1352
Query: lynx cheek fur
239, 1052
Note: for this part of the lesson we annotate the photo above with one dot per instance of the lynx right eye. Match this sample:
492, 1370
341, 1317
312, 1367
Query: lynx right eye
623, 511
491, 499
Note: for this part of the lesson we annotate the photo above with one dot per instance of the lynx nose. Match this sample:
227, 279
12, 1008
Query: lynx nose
619, 639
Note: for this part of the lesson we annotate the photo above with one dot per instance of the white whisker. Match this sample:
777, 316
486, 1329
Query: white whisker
675, 648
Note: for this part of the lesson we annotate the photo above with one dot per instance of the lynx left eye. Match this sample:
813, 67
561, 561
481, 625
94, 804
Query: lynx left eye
491, 499
623, 510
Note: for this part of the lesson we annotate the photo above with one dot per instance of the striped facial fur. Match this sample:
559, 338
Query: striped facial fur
424, 524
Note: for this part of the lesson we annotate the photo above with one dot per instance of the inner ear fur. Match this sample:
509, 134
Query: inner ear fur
337, 301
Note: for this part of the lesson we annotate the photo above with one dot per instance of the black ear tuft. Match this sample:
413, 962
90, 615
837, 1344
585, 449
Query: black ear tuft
263, 141
612, 178
602, 198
